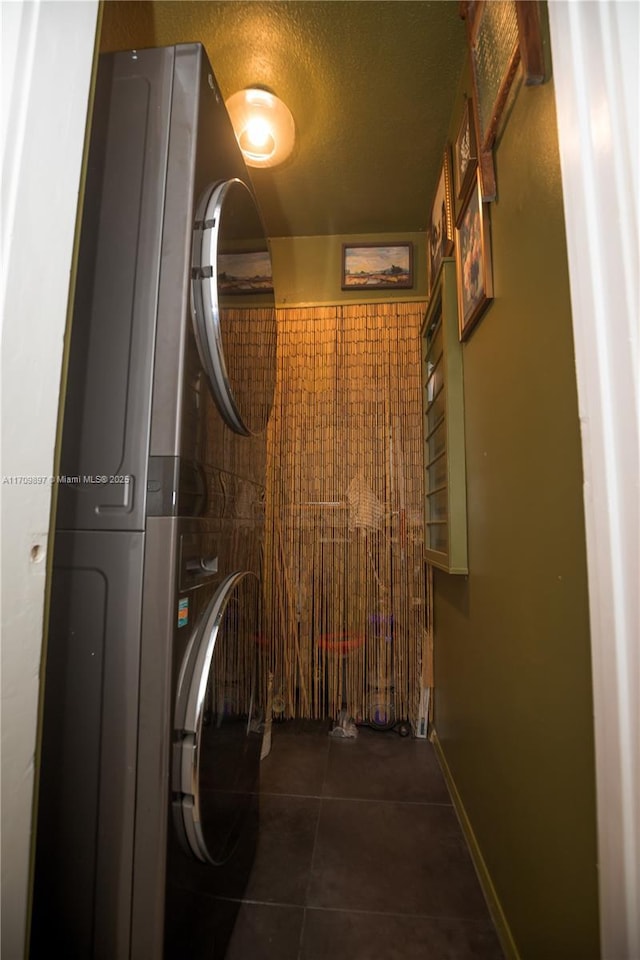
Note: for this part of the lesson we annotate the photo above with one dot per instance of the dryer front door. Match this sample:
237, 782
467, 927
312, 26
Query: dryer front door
216, 747
232, 305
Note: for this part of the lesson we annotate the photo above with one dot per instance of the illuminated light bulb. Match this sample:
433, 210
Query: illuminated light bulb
256, 154
263, 126
258, 132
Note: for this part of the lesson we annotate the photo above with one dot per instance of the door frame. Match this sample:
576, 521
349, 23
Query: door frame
47, 63
596, 56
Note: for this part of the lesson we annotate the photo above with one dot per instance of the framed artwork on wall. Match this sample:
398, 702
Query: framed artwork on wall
246, 272
492, 31
502, 35
377, 266
473, 261
465, 155
440, 238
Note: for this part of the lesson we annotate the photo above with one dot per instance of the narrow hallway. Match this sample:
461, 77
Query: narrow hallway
360, 856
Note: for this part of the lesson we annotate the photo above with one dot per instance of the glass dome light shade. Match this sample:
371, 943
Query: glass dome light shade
263, 126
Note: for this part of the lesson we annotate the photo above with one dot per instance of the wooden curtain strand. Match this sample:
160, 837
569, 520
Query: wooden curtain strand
344, 574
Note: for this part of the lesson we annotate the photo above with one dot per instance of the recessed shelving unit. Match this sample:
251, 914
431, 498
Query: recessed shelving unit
445, 513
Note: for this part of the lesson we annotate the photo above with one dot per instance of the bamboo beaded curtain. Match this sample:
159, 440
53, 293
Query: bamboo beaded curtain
344, 574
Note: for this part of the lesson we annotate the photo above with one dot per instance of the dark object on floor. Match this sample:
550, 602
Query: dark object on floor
401, 727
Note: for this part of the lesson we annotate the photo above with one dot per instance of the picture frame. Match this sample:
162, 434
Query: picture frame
504, 39
377, 266
494, 54
244, 273
465, 155
440, 238
473, 260
534, 67
494, 46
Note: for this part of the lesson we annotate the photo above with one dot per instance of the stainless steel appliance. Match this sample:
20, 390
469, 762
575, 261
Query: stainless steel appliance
153, 687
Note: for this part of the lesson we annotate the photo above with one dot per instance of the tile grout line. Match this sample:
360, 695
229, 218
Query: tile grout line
313, 852
315, 796
280, 905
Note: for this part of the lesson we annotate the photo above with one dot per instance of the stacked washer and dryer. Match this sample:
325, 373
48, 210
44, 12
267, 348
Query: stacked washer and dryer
154, 680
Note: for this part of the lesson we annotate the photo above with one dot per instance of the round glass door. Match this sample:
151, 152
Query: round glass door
217, 739
233, 305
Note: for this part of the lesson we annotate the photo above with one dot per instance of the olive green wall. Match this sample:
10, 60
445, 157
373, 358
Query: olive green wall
513, 702
308, 270
127, 24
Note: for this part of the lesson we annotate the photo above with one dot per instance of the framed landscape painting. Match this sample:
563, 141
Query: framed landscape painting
377, 266
247, 272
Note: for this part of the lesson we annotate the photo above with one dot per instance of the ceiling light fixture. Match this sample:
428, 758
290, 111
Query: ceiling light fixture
263, 126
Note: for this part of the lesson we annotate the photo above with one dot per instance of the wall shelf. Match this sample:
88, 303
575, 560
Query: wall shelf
445, 500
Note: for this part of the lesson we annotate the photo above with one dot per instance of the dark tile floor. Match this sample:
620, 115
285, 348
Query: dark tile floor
360, 856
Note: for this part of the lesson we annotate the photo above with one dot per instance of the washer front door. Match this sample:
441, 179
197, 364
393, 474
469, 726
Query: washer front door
232, 305
216, 747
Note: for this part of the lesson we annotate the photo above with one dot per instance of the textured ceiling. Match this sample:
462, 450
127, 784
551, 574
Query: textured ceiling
370, 84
